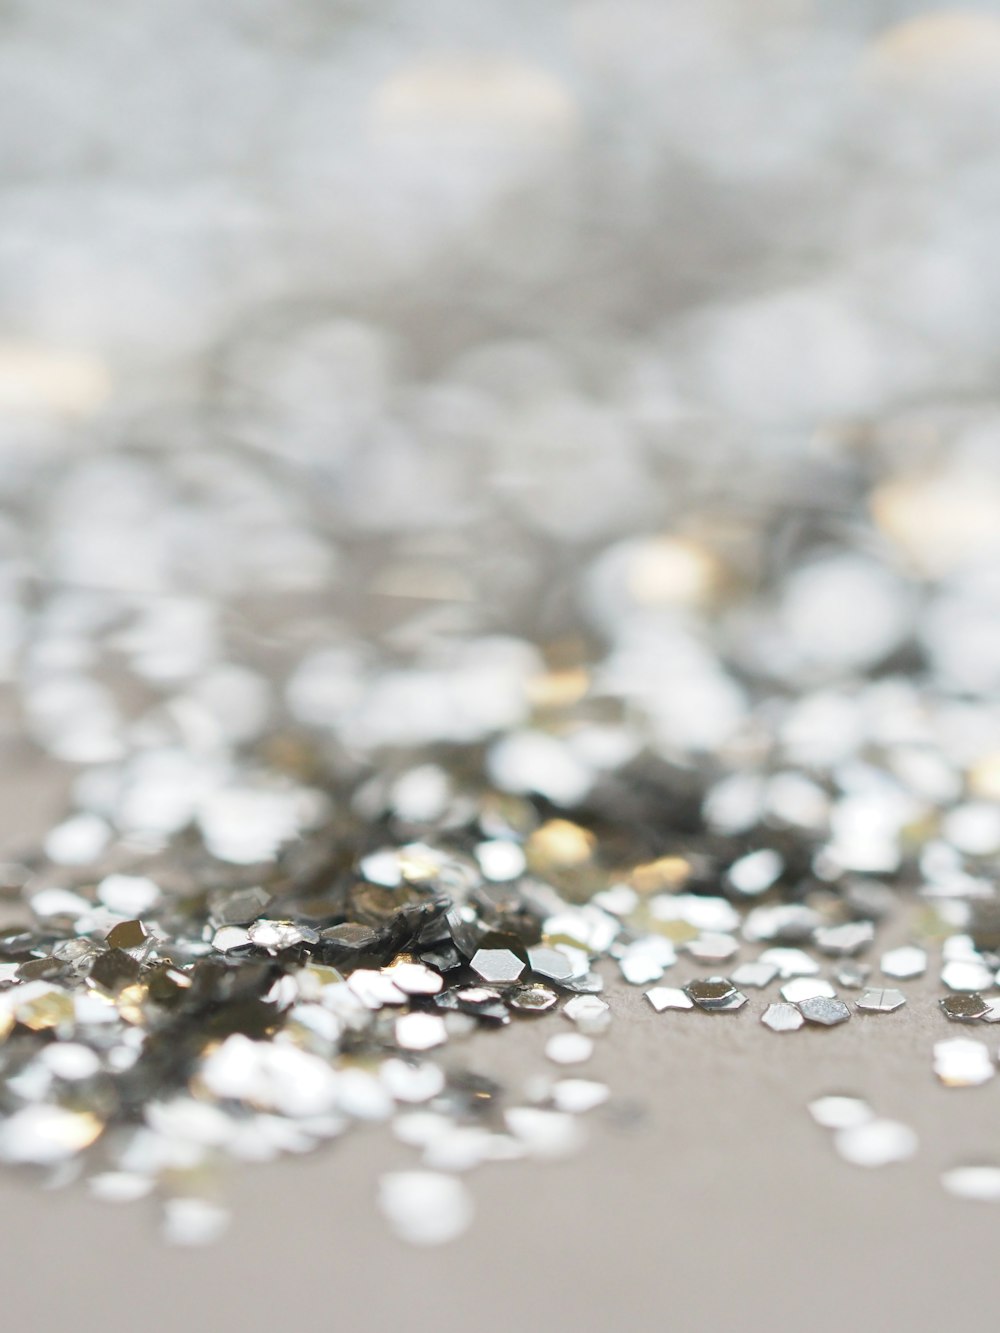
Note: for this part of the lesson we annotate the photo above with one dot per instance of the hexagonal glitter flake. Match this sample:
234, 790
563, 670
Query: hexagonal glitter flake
551, 963
981, 1183
824, 1010
966, 976
880, 1001
876, 1143
668, 997
962, 1062
535, 999
963, 1008
711, 992
756, 974
904, 962
806, 988
590, 1013
498, 967
782, 1017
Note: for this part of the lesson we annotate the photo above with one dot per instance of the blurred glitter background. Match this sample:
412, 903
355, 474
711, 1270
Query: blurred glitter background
311, 316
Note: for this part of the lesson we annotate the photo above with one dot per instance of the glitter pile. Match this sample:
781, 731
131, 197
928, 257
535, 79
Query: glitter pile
409, 663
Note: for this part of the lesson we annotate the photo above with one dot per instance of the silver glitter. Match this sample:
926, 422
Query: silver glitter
966, 977
189, 1221
756, 975
782, 1018
963, 1008
711, 992
903, 963
791, 962
498, 967
425, 1207
806, 988
668, 997
578, 1095
844, 940
590, 1014
756, 872
420, 1032
713, 948
569, 1048
411, 1083
981, 1183
414, 978
533, 999
825, 1011
880, 1001
963, 1063
547, 1135
876, 1143
838, 1112
852, 976
553, 964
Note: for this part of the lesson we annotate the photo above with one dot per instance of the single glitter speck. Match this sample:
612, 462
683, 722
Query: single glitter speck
420, 1032
711, 992
852, 975
756, 975
825, 1011
534, 999
425, 1207
590, 1013
963, 1008
876, 1143
782, 1017
839, 1112
498, 967
669, 997
806, 988
903, 963
569, 1048
962, 1062
966, 977
875, 1001
578, 1095
980, 1183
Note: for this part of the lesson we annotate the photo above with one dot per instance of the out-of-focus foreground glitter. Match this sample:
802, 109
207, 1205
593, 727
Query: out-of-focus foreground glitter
477, 517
